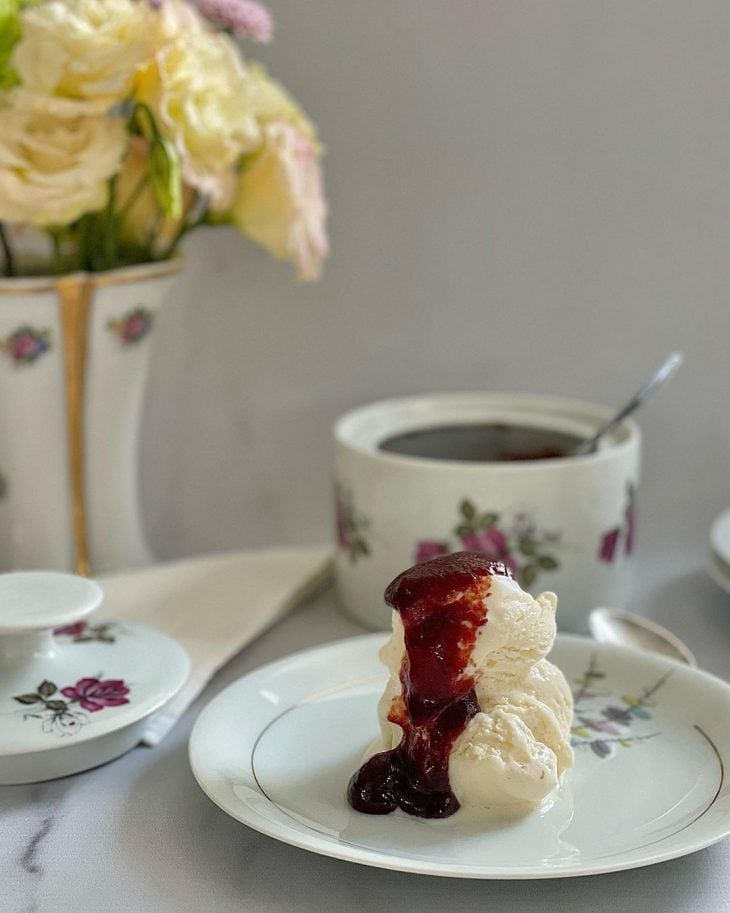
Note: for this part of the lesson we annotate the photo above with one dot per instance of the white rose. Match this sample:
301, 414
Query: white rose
54, 169
280, 202
200, 93
84, 52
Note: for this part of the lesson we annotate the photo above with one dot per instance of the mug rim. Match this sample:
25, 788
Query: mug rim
357, 429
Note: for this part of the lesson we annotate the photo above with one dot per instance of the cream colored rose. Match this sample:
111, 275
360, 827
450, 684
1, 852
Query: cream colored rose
200, 93
83, 53
280, 201
54, 169
273, 103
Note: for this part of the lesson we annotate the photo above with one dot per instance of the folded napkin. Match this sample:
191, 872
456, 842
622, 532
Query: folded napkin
213, 606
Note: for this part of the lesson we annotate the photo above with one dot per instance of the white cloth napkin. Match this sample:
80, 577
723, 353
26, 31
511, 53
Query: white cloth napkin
213, 606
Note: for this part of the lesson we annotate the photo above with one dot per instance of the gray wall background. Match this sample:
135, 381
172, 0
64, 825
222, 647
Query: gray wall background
525, 195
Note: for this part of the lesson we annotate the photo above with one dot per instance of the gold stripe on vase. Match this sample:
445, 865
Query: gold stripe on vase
74, 296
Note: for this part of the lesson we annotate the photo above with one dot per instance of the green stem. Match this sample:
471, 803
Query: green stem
128, 204
184, 228
10, 269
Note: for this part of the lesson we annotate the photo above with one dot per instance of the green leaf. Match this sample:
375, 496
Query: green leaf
46, 688
467, 509
57, 705
166, 175
464, 529
487, 520
165, 168
27, 698
526, 545
528, 574
547, 562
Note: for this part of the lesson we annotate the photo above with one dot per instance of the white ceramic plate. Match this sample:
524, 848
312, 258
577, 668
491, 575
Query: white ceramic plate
719, 563
276, 749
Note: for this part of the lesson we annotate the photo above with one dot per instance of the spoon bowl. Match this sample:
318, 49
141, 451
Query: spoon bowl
615, 627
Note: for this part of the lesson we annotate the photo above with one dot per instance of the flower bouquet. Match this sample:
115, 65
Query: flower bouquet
127, 123
124, 124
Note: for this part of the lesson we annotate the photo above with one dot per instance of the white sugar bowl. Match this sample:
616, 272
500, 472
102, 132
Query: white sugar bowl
74, 693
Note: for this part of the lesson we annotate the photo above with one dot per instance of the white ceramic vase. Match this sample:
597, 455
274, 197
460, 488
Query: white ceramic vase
74, 352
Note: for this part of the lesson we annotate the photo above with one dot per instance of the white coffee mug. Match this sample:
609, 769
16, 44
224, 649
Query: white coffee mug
558, 522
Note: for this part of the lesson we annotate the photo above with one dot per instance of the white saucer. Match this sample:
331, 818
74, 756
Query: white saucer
74, 692
275, 750
719, 562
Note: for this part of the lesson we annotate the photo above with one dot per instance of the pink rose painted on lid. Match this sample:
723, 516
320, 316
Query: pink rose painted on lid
93, 694
26, 345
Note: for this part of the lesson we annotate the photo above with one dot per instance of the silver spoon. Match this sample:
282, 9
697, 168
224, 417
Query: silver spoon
610, 626
662, 375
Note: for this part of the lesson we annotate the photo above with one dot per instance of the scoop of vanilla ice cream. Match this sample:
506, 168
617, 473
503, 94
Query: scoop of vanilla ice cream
514, 751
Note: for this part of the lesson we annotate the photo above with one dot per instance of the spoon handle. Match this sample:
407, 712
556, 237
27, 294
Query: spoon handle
660, 377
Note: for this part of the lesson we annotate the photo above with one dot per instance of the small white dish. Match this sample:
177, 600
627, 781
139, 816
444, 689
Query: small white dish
719, 562
275, 750
74, 693
612, 626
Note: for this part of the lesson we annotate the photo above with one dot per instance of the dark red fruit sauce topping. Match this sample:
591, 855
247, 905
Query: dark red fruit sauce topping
441, 605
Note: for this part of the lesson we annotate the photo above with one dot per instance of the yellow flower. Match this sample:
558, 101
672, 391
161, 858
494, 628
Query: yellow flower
280, 201
198, 89
54, 169
273, 103
83, 53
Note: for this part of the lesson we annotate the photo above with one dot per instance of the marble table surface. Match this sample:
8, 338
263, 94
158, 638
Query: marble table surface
138, 835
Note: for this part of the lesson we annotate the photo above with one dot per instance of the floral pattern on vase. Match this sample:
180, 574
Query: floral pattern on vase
605, 728
611, 539
133, 326
59, 716
519, 544
350, 526
82, 632
26, 345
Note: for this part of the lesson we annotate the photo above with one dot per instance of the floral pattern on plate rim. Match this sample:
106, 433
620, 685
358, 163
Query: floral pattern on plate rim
604, 729
58, 716
519, 544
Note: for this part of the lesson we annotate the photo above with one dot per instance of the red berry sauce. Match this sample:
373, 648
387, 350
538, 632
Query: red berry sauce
441, 605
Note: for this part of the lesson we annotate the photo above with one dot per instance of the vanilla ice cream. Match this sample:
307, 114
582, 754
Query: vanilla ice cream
511, 731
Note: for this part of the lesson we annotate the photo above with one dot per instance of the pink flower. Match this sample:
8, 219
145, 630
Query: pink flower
607, 548
493, 543
93, 694
243, 18
428, 549
71, 630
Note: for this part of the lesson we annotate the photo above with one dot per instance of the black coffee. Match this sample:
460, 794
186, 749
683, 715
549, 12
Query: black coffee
488, 443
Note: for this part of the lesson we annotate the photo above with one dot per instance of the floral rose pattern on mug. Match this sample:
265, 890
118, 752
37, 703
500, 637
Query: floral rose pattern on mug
350, 526
133, 326
611, 539
524, 549
26, 345
607, 726
60, 716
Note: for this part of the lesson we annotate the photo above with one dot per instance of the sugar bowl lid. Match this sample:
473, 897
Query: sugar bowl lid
74, 692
